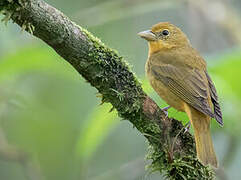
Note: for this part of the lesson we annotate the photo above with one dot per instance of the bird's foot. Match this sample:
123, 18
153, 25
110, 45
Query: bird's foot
187, 126
165, 109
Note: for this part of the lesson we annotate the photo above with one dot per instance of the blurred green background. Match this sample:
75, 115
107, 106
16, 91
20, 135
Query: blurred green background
51, 124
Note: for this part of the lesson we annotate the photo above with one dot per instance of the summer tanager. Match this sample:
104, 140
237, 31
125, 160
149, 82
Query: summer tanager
179, 75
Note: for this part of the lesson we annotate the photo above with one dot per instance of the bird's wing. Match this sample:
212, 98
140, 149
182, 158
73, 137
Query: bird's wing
188, 84
214, 98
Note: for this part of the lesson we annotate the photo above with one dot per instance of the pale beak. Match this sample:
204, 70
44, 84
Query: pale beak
148, 35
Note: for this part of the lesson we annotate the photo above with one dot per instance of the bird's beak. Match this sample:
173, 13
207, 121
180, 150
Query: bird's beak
148, 35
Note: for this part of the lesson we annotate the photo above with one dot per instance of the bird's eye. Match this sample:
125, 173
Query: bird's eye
165, 32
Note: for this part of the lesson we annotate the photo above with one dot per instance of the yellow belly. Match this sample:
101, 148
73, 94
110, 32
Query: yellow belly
170, 98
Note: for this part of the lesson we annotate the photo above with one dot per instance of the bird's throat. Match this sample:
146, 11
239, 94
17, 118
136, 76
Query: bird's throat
155, 46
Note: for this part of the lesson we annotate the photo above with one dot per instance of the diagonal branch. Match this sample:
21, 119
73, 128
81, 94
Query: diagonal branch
171, 150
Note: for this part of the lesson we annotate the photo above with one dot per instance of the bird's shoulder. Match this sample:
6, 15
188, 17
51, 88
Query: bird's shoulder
186, 57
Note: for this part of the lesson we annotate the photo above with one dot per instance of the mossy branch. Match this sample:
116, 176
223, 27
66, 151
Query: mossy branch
171, 150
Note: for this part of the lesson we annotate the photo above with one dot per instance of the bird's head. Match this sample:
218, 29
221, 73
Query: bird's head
163, 36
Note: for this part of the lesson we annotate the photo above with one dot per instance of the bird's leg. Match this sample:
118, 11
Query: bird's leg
187, 126
165, 109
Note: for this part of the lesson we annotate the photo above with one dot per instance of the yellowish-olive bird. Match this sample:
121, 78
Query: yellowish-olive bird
179, 75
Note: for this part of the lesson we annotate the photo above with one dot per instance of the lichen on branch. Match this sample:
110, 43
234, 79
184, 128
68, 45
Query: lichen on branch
171, 150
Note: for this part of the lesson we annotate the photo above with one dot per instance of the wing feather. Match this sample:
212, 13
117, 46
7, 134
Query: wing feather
214, 98
188, 84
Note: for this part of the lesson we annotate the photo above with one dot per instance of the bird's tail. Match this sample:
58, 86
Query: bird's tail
203, 140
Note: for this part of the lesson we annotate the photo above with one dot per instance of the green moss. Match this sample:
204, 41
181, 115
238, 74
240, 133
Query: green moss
116, 68
152, 128
186, 167
11, 8
189, 167
26, 26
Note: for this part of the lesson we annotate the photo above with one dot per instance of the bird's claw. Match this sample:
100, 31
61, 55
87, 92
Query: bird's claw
165, 110
187, 127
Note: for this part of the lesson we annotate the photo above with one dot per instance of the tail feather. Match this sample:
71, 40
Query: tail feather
204, 147
203, 140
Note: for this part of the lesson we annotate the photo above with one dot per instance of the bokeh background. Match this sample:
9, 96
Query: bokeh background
51, 124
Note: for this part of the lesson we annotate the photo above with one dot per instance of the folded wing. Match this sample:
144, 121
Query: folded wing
188, 84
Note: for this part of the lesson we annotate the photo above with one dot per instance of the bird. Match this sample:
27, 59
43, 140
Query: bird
178, 73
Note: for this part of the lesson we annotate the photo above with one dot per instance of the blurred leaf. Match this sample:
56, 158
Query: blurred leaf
44, 105
97, 128
226, 75
228, 69
47, 124
32, 59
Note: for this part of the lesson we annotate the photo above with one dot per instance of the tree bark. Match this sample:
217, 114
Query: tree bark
171, 150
